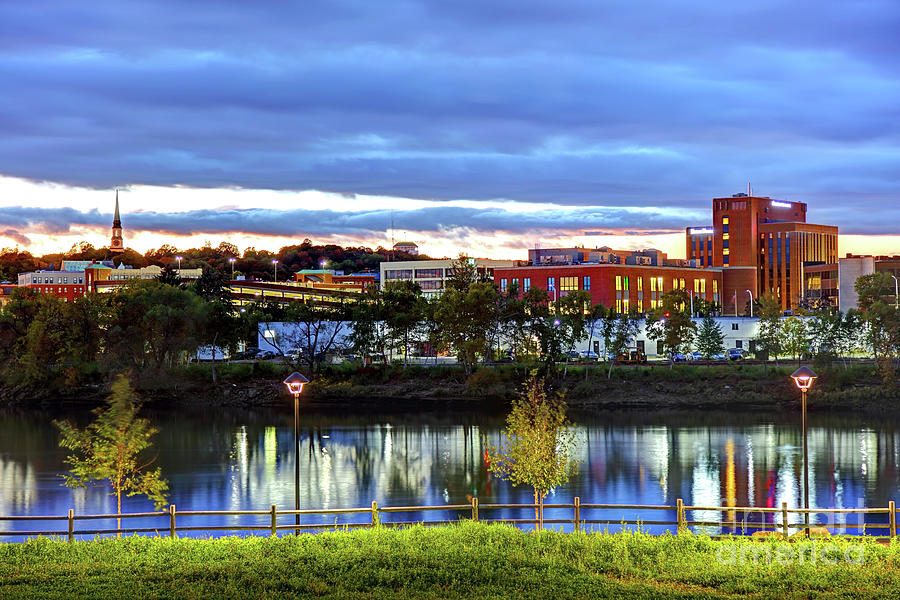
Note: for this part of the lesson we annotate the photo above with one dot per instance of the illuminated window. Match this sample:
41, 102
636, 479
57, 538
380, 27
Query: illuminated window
587, 282
725, 251
503, 285
640, 283
618, 282
626, 283
659, 285
724, 236
696, 286
526, 284
653, 284
702, 286
551, 284
715, 286
568, 284
640, 305
619, 305
625, 305
681, 282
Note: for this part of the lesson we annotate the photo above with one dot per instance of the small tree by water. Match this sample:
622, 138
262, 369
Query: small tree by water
540, 444
110, 447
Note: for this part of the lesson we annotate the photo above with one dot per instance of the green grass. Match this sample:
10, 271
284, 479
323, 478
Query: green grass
466, 561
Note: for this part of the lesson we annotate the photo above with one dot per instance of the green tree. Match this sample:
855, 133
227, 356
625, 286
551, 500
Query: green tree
882, 321
466, 320
770, 339
539, 449
221, 328
710, 337
572, 310
796, 338
625, 329
110, 449
369, 335
169, 276
671, 324
403, 313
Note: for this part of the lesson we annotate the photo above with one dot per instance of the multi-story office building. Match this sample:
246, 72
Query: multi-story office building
622, 286
852, 267
772, 238
432, 275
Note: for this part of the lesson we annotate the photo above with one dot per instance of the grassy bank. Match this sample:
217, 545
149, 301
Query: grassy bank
737, 386
466, 561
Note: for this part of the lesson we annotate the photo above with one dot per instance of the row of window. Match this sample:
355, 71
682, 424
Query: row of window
56, 280
623, 283
410, 273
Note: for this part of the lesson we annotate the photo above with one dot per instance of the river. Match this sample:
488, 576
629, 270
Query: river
235, 459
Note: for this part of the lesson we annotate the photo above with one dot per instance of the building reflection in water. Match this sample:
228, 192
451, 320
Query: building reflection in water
232, 460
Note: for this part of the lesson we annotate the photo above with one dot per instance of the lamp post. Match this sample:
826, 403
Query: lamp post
275, 269
804, 377
178, 258
896, 296
295, 382
751, 303
232, 260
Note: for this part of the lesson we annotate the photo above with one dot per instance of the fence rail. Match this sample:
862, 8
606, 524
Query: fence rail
473, 511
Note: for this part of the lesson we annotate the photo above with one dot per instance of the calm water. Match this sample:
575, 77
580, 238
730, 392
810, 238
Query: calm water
229, 459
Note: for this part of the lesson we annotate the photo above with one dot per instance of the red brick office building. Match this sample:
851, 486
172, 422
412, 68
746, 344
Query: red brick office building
769, 236
621, 286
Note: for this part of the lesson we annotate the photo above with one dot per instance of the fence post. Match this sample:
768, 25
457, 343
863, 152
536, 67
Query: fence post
72, 524
784, 518
475, 509
679, 515
577, 514
172, 520
274, 522
374, 513
893, 519
541, 513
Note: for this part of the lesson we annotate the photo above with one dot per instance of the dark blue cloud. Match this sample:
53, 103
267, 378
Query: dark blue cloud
581, 102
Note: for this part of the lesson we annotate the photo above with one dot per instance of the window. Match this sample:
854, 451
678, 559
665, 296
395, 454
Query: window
681, 283
715, 286
587, 282
725, 260
696, 286
738, 343
398, 274
725, 252
618, 305
725, 244
734, 326
429, 273
640, 305
551, 284
568, 284
626, 283
625, 305
702, 286
515, 282
503, 283
640, 283
724, 236
659, 285
618, 283
653, 284
526, 284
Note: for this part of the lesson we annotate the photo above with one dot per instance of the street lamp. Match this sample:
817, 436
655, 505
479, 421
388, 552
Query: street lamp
751, 303
896, 297
295, 382
232, 260
275, 269
178, 258
804, 377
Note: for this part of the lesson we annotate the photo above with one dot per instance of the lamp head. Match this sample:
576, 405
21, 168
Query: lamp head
804, 377
295, 382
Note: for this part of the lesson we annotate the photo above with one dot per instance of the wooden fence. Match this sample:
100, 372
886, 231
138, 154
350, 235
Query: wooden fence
473, 511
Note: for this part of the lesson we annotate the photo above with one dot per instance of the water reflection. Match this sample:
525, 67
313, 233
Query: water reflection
238, 459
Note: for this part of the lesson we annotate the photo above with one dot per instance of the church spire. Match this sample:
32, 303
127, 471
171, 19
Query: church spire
116, 244
117, 224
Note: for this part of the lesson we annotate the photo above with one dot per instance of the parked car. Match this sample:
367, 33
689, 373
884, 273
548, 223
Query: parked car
295, 354
573, 354
589, 355
247, 353
736, 354
718, 356
265, 355
679, 357
695, 355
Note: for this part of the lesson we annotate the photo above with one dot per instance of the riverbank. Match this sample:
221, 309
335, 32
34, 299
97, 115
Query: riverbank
469, 560
746, 387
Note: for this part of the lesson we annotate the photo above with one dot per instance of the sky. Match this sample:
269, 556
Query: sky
479, 126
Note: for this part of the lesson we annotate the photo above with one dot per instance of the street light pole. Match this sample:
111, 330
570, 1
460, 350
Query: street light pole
178, 258
751, 303
275, 269
896, 296
804, 377
294, 383
232, 261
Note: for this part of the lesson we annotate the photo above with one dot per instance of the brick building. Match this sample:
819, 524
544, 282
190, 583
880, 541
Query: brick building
770, 236
621, 286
